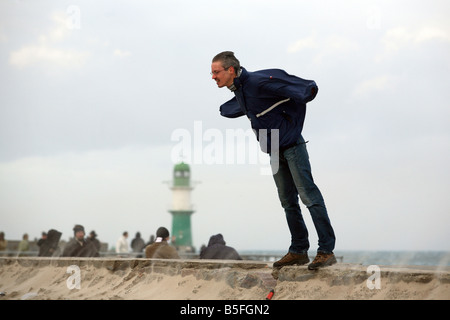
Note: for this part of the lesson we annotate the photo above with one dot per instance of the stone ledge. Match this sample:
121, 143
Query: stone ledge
138, 278
349, 274
243, 273
125, 263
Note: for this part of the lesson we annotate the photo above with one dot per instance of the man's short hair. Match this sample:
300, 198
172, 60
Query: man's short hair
162, 233
228, 59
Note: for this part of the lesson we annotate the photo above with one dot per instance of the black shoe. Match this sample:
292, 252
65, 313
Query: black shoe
322, 260
291, 259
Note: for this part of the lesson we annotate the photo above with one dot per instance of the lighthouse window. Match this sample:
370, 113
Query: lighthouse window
177, 173
186, 173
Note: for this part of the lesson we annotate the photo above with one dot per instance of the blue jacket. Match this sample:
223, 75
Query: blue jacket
271, 99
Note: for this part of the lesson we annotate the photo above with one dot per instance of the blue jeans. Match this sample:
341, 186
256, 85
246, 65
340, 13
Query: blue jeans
294, 178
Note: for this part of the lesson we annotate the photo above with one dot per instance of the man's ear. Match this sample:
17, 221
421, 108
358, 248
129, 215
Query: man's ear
231, 70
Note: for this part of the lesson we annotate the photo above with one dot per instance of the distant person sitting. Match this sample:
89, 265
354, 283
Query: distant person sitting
151, 240
161, 249
78, 246
217, 249
48, 244
122, 243
42, 239
3, 242
94, 243
24, 245
138, 244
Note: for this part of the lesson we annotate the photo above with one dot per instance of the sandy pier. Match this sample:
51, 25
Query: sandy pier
35, 278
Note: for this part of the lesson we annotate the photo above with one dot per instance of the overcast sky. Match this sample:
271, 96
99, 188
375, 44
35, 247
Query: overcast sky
94, 96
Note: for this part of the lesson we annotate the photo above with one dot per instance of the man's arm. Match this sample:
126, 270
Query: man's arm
231, 109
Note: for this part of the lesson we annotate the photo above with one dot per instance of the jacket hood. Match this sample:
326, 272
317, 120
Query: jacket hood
216, 239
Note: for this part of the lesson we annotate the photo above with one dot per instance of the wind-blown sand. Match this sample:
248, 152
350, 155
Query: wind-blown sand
147, 279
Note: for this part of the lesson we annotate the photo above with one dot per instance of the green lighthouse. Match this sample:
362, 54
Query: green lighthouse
182, 208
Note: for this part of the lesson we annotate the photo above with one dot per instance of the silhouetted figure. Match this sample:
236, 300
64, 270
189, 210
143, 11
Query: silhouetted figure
161, 249
78, 246
42, 239
94, 244
48, 247
3, 242
151, 240
138, 244
217, 249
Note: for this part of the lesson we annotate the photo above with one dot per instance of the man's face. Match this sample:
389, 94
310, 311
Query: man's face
79, 235
223, 77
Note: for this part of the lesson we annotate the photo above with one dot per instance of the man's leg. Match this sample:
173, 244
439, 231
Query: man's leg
288, 195
311, 196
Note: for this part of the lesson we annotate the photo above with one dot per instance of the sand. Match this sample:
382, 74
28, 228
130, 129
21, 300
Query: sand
143, 279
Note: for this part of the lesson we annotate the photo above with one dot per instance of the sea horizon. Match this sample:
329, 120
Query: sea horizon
378, 257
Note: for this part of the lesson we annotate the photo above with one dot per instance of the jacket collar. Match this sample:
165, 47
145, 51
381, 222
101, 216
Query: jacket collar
237, 82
